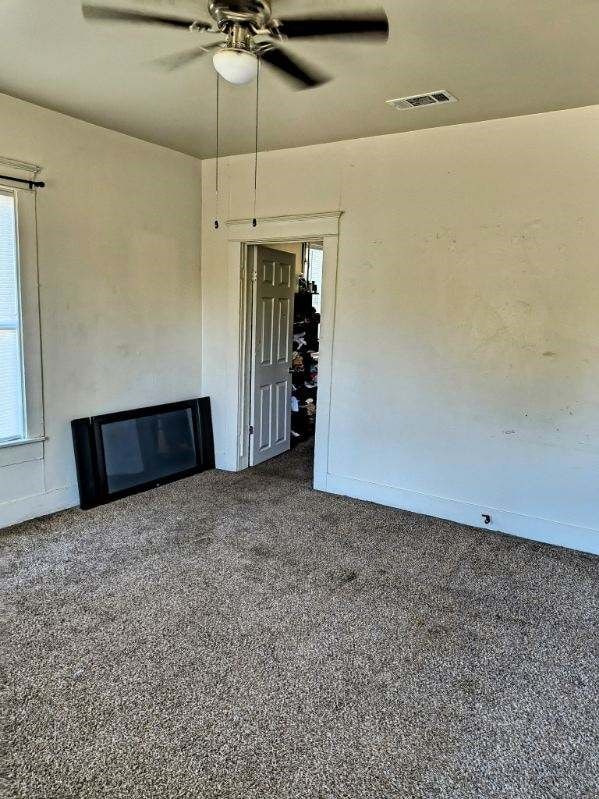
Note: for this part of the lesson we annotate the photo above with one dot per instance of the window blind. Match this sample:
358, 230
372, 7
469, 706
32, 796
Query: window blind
11, 367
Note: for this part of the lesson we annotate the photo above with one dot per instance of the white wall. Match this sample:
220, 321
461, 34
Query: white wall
466, 343
119, 253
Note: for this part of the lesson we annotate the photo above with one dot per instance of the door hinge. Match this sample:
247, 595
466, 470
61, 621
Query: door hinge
251, 429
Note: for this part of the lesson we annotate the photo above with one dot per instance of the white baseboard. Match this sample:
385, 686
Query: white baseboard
584, 539
32, 507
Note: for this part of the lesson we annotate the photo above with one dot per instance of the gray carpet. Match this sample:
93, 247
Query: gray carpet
240, 636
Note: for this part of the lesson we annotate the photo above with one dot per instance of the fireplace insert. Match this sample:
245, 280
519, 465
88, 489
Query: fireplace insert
122, 453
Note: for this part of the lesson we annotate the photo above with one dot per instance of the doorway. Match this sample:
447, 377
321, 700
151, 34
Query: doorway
282, 333
232, 419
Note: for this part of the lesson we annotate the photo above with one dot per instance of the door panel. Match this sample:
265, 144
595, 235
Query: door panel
267, 315
267, 269
284, 313
272, 328
264, 418
281, 411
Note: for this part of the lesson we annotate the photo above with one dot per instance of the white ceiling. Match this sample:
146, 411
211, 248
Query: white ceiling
499, 57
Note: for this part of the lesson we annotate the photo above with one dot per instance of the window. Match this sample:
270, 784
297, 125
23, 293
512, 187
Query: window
313, 270
12, 399
21, 388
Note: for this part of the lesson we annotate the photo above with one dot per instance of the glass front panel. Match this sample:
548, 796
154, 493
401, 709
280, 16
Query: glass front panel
148, 448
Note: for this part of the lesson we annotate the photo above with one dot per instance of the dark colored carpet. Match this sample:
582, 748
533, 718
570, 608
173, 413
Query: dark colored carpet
241, 636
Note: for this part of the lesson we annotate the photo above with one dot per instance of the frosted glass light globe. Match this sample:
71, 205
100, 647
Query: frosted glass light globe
236, 66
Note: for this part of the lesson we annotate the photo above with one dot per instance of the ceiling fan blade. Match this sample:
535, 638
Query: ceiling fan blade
373, 25
110, 14
181, 59
291, 67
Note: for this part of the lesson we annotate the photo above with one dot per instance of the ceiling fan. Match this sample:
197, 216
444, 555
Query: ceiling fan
251, 33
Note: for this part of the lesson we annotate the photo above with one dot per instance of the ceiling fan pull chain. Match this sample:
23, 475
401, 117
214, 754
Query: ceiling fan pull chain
254, 220
217, 146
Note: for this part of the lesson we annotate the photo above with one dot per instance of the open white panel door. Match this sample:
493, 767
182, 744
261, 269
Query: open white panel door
272, 340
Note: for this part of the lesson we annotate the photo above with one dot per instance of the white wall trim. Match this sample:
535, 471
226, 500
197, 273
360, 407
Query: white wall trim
14, 452
302, 227
548, 531
328, 306
36, 505
18, 167
30, 313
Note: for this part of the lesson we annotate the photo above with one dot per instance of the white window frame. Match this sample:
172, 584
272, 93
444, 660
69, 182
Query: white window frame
28, 287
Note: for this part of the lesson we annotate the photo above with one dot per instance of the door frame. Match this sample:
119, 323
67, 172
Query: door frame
284, 229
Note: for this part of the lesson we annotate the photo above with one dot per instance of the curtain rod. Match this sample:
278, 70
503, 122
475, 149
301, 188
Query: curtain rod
33, 184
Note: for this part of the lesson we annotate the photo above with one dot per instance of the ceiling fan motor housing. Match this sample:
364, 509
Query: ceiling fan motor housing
255, 14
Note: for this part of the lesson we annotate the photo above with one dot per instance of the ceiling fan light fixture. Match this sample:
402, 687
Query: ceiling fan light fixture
241, 22
237, 66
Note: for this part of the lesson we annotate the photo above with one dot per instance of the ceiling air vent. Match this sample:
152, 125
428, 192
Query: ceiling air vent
420, 100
